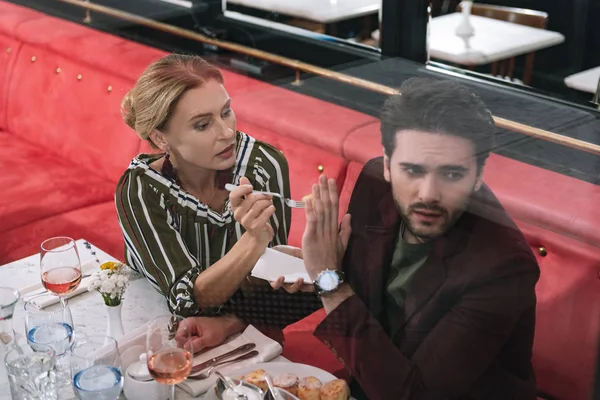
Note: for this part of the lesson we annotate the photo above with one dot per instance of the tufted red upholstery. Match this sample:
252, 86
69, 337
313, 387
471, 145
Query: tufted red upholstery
65, 146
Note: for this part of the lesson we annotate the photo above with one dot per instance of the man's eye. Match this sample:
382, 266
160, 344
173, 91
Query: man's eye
454, 176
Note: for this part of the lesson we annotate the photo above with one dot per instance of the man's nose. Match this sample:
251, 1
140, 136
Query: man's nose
429, 190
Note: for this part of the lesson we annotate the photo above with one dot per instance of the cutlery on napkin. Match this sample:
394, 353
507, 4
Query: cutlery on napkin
48, 299
267, 349
273, 264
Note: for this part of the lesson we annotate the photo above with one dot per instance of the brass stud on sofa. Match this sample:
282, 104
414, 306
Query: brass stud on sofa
321, 168
79, 77
8, 50
109, 89
542, 251
33, 59
58, 70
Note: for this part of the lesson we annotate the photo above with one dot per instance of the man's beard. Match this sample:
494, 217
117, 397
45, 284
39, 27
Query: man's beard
447, 219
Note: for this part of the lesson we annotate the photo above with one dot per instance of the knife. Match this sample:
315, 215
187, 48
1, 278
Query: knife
242, 349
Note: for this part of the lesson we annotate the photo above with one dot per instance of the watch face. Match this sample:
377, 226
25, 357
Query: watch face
328, 281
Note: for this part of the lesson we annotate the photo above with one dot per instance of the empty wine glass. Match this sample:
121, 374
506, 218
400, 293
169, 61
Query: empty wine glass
169, 350
60, 266
96, 368
53, 328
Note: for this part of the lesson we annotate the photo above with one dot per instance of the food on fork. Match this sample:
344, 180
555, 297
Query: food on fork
257, 378
335, 390
287, 382
309, 388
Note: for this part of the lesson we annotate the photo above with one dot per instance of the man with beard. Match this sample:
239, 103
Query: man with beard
430, 288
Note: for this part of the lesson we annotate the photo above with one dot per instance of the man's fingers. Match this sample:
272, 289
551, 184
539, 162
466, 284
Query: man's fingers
318, 209
244, 181
333, 196
345, 230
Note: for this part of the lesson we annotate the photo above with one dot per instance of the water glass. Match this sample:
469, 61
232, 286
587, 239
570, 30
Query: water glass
96, 368
31, 373
52, 328
8, 299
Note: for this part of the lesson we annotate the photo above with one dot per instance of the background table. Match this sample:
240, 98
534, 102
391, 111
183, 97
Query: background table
141, 303
586, 81
494, 40
322, 11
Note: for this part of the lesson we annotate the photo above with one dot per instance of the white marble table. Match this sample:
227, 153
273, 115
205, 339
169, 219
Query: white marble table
322, 11
494, 40
586, 81
141, 304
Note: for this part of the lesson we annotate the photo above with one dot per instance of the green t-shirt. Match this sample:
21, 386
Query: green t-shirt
407, 259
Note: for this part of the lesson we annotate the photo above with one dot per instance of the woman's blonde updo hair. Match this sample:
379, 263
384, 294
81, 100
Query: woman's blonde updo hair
149, 105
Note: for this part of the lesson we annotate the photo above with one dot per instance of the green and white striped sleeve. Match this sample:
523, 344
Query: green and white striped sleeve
153, 244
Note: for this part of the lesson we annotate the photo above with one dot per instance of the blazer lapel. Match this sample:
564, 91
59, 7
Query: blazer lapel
377, 243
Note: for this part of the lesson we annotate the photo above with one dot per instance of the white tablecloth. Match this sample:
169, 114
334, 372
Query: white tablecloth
323, 11
586, 81
494, 40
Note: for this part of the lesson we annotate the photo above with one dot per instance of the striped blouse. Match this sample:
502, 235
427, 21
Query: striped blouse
171, 236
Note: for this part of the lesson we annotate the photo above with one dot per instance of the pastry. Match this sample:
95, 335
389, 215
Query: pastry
257, 378
309, 388
335, 390
288, 382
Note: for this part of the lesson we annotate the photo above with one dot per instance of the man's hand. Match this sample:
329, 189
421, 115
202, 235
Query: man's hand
253, 211
207, 332
324, 241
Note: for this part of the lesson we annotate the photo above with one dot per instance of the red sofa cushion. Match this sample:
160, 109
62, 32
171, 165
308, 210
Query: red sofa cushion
39, 184
9, 48
12, 15
318, 123
79, 120
568, 309
303, 162
97, 223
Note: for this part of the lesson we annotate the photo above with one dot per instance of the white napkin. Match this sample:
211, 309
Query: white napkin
267, 348
49, 299
273, 264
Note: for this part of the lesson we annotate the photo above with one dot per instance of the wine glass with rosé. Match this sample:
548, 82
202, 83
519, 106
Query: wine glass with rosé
169, 350
60, 266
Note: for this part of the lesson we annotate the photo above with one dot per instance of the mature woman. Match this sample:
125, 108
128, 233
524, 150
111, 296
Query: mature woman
192, 240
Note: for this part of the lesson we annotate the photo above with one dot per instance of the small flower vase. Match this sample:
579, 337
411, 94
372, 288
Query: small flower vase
465, 30
115, 323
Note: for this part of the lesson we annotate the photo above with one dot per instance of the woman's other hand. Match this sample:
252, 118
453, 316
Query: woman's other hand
253, 211
299, 285
207, 332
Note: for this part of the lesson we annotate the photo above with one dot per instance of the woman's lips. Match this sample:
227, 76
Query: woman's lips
227, 153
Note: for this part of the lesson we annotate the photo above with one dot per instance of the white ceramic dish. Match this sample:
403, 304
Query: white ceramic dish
276, 368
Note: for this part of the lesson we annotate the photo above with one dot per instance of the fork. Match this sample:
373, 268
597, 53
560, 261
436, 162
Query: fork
291, 203
209, 371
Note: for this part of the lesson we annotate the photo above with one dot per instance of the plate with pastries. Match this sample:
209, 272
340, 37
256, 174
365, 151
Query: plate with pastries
301, 381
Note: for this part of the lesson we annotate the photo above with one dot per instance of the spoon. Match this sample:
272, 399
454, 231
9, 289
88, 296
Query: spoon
231, 386
274, 392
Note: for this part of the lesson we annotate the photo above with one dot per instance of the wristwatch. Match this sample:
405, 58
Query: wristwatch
328, 281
